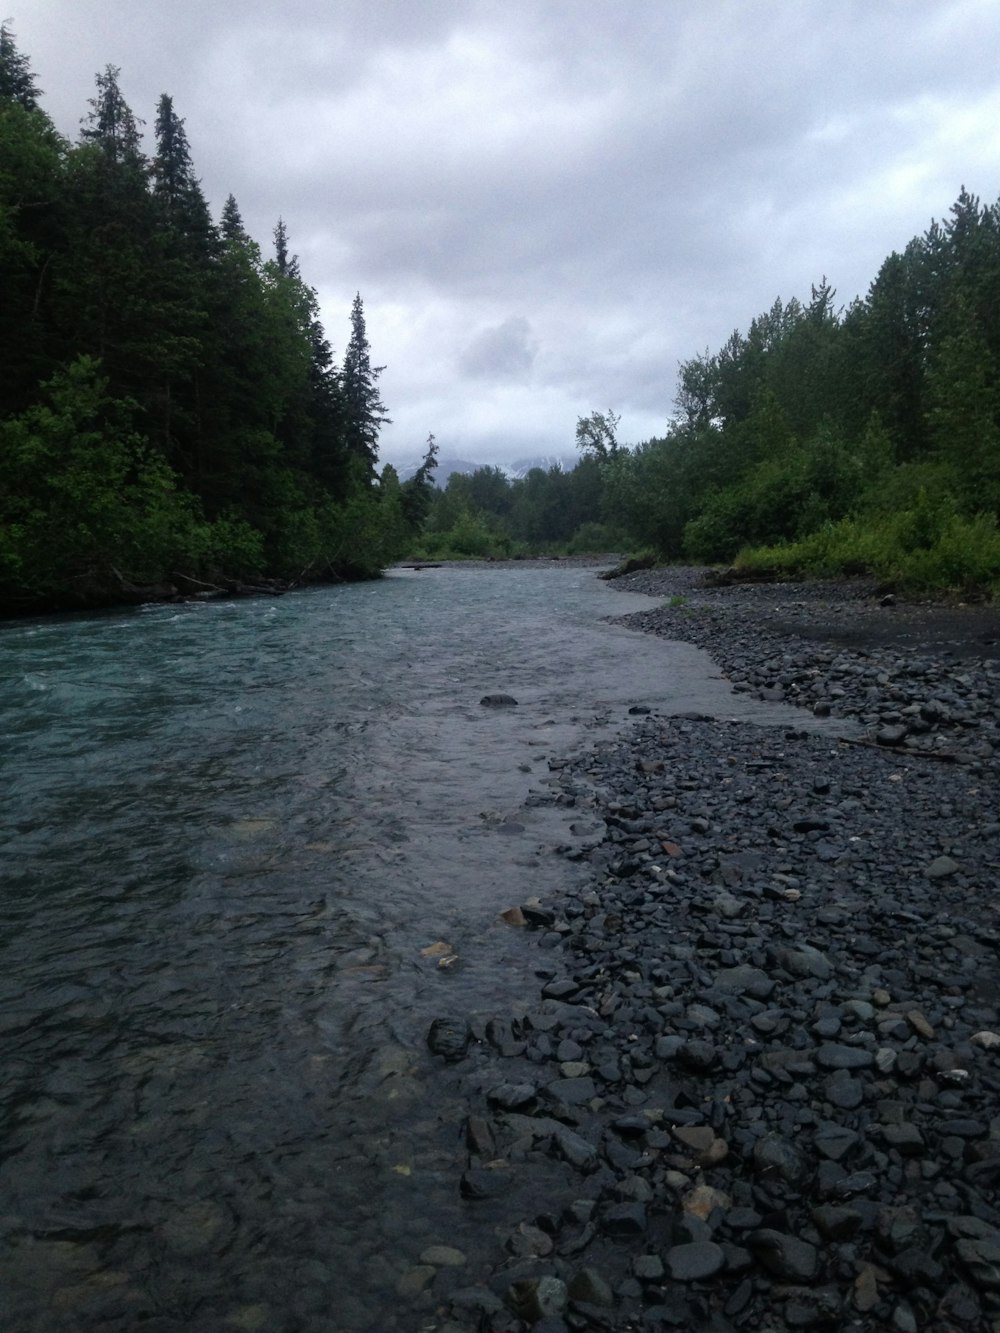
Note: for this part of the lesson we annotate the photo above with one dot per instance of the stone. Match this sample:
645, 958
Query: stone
891, 736
745, 980
702, 1143
533, 1299
509, 1096
784, 1256
774, 1159
588, 1286
695, 1261
577, 1150
833, 1056
920, 1025
415, 1280
836, 1222
624, 1219
449, 1038
703, 1200
498, 701
942, 867
803, 962
570, 1091
442, 1256
700, 1056
843, 1091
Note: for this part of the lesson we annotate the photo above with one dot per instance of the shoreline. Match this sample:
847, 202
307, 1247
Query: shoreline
758, 1087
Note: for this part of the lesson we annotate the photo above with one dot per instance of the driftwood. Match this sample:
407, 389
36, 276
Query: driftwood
899, 751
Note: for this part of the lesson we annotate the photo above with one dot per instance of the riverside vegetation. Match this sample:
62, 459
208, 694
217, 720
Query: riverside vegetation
172, 415
823, 441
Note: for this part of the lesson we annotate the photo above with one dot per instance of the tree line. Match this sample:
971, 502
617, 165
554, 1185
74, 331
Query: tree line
821, 439
171, 411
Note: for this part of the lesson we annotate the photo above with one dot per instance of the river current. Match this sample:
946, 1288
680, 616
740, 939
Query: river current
230, 831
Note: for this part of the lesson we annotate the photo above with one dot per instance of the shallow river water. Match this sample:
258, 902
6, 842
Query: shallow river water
228, 832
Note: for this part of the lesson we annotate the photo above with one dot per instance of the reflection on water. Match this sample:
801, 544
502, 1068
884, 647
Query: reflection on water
229, 831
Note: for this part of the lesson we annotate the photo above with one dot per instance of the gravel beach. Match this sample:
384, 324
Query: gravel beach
759, 1085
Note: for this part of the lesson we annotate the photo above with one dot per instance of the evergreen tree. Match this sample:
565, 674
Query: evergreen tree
17, 84
418, 492
231, 225
32, 160
110, 122
364, 411
175, 187
288, 265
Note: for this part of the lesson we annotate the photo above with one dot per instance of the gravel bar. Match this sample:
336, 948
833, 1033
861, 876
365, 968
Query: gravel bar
758, 1087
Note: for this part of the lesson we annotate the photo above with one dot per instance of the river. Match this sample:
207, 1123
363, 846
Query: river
230, 830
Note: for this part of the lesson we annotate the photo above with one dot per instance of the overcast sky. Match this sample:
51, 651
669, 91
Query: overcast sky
548, 204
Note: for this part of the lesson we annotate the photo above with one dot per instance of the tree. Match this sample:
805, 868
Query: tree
17, 84
288, 265
596, 435
110, 122
231, 224
364, 411
418, 492
175, 187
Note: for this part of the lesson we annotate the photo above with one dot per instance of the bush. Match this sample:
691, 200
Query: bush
922, 549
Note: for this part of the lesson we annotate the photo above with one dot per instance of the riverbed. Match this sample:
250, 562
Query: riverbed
249, 851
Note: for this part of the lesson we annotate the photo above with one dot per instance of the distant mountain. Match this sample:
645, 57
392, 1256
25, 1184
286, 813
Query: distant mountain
445, 467
520, 468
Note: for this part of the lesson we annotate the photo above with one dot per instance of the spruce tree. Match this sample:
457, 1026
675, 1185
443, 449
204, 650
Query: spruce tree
175, 187
17, 83
231, 224
364, 411
111, 124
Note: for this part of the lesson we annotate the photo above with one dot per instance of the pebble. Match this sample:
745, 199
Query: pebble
764, 1080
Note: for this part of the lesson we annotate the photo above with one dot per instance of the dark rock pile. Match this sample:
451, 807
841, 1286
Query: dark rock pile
759, 1088
924, 678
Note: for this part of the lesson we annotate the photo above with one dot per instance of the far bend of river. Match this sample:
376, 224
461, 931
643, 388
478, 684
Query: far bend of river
228, 831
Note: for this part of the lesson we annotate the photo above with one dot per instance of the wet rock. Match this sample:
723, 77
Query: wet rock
442, 1256
498, 701
449, 1038
415, 1280
484, 1183
510, 1096
538, 1298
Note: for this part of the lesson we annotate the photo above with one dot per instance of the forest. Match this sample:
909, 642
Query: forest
173, 418
171, 412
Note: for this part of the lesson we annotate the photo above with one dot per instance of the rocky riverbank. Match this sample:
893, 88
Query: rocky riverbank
759, 1085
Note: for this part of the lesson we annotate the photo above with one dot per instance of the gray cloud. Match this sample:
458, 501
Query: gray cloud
504, 352
642, 178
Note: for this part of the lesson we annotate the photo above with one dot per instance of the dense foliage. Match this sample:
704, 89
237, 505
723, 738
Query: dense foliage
170, 408
822, 440
857, 439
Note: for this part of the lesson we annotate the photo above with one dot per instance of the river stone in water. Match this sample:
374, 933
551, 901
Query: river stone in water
449, 1038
